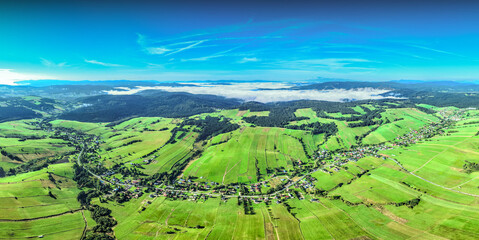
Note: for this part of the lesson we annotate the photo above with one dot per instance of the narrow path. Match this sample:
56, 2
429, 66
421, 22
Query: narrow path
430, 159
447, 148
466, 182
226, 172
83, 235
433, 183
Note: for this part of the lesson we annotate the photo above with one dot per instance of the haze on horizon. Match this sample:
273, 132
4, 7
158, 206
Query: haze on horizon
247, 40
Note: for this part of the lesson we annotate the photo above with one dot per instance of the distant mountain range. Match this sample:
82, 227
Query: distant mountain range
74, 89
443, 86
87, 100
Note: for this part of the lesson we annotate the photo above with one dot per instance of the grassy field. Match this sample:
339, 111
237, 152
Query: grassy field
401, 121
247, 152
441, 160
215, 219
372, 198
28, 210
128, 141
25, 141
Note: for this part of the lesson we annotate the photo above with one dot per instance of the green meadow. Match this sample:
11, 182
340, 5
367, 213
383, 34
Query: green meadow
247, 154
33, 205
426, 190
26, 142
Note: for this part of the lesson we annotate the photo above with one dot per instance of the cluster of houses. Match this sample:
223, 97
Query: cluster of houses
306, 184
416, 135
357, 153
188, 189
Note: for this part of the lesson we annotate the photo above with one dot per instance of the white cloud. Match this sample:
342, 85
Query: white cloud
155, 65
205, 58
185, 48
167, 50
49, 63
157, 50
103, 63
435, 50
246, 59
328, 63
276, 92
216, 55
9, 77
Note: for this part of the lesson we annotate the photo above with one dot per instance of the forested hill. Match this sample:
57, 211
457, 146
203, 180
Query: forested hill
90, 106
62, 90
440, 99
434, 86
15, 108
107, 108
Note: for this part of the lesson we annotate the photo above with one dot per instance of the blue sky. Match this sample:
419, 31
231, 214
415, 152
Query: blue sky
247, 40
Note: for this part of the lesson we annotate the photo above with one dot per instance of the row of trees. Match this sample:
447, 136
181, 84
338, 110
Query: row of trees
210, 126
278, 117
317, 128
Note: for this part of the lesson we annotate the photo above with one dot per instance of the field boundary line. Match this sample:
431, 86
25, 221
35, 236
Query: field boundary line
53, 233
7, 183
319, 219
41, 205
433, 183
214, 223
430, 159
42, 217
86, 226
226, 172
470, 180
352, 219
272, 223
46, 195
447, 148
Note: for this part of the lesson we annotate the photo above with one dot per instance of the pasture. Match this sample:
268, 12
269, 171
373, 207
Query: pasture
400, 121
22, 142
33, 205
373, 198
248, 154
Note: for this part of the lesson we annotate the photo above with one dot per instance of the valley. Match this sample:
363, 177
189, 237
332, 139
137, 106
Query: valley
370, 172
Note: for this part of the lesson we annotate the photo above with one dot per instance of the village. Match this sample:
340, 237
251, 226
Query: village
279, 187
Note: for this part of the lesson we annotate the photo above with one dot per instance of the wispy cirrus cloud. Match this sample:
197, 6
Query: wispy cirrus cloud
322, 48
215, 55
249, 59
177, 47
49, 63
157, 50
173, 48
325, 63
376, 49
103, 63
435, 50
228, 37
186, 48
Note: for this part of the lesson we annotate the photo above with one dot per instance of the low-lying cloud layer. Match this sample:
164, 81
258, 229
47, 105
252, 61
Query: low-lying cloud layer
263, 92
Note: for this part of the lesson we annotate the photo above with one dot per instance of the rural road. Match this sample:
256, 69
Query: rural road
285, 187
